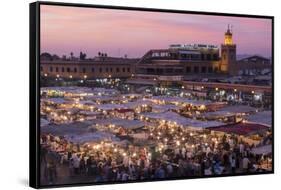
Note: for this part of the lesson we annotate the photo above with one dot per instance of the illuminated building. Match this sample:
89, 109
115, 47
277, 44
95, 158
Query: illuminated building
228, 52
179, 61
199, 60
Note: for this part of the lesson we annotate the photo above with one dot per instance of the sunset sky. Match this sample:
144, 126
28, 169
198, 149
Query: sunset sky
119, 32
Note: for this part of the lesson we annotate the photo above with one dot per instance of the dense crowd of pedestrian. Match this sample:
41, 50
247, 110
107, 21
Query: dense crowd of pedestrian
104, 163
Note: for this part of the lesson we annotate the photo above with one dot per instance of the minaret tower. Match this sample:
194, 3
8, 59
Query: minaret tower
228, 53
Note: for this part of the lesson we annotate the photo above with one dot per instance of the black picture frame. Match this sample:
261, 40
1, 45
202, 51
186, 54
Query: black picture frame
34, 87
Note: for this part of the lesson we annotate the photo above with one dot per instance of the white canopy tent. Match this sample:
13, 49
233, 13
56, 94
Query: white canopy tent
181, 120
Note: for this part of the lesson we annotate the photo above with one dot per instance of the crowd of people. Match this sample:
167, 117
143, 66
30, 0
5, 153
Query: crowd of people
196, 155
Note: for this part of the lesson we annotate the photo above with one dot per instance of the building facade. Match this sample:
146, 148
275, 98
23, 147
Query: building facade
199, 59
180, 60
105, 67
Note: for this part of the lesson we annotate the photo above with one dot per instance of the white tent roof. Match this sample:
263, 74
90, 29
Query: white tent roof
81, 90
181, 120
91, 137
107, 107
218, 114
124, 123
55, 100
238, 109
264, 117
181, 100
44, 122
